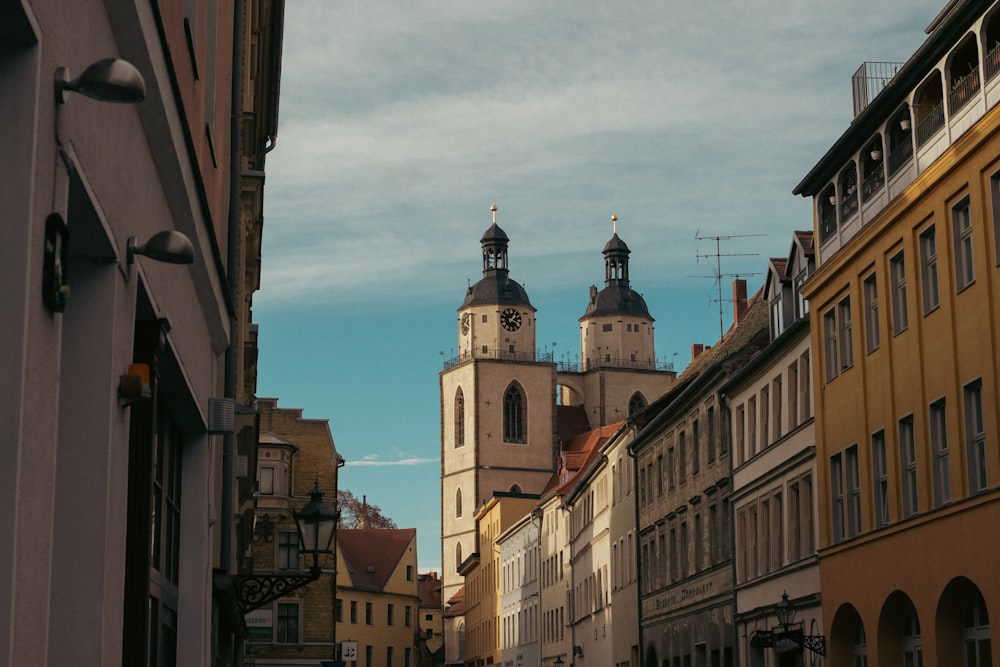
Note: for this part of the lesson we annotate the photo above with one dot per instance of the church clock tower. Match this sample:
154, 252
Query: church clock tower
497, 405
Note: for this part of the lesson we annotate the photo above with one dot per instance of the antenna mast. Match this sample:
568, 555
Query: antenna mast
718, 255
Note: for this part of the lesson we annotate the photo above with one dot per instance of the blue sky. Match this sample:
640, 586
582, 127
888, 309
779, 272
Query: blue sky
402, 122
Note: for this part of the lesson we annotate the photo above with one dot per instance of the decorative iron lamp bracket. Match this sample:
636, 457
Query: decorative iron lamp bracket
257, 590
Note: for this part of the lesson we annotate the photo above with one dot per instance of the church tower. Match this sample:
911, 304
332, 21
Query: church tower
497, 405
619, 373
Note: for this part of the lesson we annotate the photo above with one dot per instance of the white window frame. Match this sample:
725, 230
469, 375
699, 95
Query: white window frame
961, 222
940, 452
975, 436
931, 295
871, 313
900, 315
908, 467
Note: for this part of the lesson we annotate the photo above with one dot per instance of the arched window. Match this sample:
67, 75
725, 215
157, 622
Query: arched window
514, 414
913, 648
636, 404
459, 418
515, 489
458, 555
976, 631
859, 645
458, 503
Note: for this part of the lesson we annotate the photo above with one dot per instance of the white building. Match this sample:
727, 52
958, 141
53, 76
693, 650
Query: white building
520, 608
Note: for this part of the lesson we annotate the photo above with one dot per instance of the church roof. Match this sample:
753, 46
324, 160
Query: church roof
616, 299
497, 287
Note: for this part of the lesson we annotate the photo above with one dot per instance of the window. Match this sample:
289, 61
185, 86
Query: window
338, 610
458, 503
880, 479
977, 651
409, 573
458, 555
368, 647
710, 436
695, 448
390, 614
939, 449
929, 270
752, 426
368, 613
897, 271
846, 330
776, 404
670, 469
354, 611
853, 492
636, 404
513, 415
682, 452
975, 436
871, 314
740, 428
830, 345
388, 656
288, 550
913, 647
765, 410
407, 616
406, 653
266, 481
805, 388
286, 630
793, 395
659, 476
908, 466
837, 495
606, 328
961, 223
459, 418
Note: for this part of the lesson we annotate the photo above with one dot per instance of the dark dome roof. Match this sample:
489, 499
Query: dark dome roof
496, 288
617, 299
494, 233
615, 244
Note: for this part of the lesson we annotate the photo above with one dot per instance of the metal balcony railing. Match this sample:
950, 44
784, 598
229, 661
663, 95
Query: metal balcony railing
873, 183
964, 90
900, 155
930, 124
992, 63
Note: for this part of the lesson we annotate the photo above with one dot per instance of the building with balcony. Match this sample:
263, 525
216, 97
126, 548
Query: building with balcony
905, 341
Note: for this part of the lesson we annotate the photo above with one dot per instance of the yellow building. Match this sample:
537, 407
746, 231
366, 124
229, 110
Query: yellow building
377, 602
904, 329
482, 576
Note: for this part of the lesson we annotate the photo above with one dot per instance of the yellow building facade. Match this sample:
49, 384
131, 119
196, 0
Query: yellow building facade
905, 339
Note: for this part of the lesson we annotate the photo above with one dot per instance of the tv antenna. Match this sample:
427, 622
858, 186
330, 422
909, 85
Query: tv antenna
718, 255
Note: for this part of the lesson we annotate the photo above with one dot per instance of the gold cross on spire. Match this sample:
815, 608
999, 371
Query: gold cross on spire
493, 207
614, 224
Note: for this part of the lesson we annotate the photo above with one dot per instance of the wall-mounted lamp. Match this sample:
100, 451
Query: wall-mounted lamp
788, 637
577, 651
107, 80
876, 154
833, 200
904, 124
167, 246
558, 662
134, 385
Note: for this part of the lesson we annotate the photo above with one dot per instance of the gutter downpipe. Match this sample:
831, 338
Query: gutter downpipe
232, 269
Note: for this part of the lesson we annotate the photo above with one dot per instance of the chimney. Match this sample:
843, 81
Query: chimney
696, 349
739, 300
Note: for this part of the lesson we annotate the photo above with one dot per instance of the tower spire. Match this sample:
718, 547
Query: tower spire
614, 224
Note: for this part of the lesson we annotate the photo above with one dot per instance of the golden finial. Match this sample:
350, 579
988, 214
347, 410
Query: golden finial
614, 224
493, 207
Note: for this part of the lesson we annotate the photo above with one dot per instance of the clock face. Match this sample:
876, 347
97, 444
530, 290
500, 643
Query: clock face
466, 319
510, 319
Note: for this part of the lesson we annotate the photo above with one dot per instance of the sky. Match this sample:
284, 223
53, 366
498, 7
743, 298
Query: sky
401, 122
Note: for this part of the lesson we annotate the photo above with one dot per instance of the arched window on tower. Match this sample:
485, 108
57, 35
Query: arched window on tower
514, 414
458, 555
515, 489
636, 404
458, 503
459, 418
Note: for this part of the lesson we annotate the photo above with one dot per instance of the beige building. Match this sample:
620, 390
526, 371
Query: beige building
431, 620
295, 454
622, 536
770, 405
905, 309
111, 357
682, 459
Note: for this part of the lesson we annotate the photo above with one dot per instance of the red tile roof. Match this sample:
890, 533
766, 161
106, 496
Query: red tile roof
373, 554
